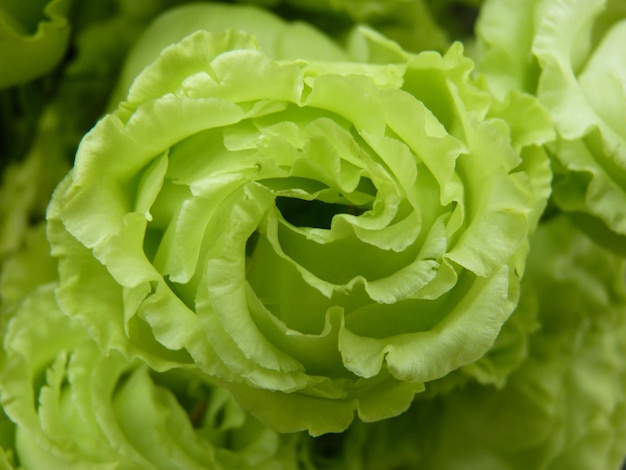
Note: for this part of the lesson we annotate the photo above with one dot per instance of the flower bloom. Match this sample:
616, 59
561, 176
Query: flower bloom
74, 407
321, 235
569, 53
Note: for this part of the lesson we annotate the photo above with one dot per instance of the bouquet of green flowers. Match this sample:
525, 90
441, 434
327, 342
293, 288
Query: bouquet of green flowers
294, 234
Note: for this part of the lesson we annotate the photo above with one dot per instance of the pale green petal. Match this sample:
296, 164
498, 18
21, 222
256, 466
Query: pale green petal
569, 54
277, 38
505, 33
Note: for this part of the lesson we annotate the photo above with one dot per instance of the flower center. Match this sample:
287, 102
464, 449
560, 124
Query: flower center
315, 213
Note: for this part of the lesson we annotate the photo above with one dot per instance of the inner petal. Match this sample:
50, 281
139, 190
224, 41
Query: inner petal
604, 78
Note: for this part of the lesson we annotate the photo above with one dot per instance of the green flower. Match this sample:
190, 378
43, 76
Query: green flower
322, 231
570, 53
75, 407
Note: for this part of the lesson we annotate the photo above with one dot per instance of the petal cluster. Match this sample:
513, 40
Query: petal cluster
76, 408
320, 235
569, 53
